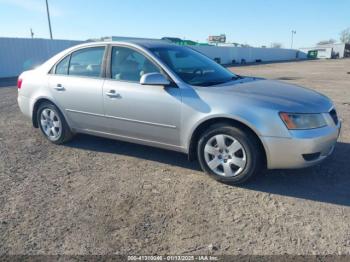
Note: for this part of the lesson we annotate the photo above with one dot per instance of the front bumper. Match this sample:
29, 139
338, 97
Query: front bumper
285, 153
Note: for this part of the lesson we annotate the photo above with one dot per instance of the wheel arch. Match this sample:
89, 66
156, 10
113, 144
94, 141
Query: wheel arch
36, 105
200, 128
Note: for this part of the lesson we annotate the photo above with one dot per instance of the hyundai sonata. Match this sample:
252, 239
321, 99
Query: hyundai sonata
163, 95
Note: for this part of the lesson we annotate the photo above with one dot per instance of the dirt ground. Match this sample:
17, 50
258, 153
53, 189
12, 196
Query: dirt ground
99, 196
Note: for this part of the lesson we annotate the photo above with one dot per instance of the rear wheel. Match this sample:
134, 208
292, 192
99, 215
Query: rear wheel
229, 153
52, 124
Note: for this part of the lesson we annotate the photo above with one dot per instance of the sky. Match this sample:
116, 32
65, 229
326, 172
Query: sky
253, 22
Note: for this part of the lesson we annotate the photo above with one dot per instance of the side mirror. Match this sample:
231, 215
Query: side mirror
156, 79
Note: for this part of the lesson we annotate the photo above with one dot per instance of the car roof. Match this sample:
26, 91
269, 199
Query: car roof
138, 42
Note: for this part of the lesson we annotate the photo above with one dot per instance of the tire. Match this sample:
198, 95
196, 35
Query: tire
52, 124
229, 154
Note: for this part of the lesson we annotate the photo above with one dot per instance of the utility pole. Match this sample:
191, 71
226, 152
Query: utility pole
293, 33
31, 33
48, 18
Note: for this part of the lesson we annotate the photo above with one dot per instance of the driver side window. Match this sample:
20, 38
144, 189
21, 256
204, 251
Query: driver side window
129, 65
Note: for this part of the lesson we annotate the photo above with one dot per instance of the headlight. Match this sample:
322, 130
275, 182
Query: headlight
303, 121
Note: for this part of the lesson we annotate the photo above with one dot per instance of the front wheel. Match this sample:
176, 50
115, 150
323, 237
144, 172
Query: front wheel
229, 154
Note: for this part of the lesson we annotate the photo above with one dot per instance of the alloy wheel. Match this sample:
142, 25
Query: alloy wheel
225, 155
51, 124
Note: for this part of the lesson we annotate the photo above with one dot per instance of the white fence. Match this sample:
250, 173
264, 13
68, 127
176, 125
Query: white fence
19, 54
229, 55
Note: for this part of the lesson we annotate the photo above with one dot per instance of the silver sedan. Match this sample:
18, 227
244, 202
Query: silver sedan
163, 95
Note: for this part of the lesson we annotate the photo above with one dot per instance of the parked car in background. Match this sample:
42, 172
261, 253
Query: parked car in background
159, 94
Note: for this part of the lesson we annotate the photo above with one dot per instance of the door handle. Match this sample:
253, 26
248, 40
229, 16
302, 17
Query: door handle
59, 87
113, 94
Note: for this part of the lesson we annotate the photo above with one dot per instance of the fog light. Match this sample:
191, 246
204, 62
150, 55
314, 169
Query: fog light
311, 157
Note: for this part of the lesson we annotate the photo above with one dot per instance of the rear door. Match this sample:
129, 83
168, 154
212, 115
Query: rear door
77, 83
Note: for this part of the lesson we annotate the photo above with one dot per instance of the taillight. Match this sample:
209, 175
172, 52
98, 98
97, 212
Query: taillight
19, 83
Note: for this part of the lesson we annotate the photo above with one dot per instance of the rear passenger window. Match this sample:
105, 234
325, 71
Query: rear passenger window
86, 62
62, 67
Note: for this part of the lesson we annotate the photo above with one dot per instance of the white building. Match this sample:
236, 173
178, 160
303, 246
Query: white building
328, 51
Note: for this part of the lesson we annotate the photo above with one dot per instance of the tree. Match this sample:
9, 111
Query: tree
276, 45
345, 35
325, 42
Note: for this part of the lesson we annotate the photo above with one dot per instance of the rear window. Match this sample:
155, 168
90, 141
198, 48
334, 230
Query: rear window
62, 67
86, 62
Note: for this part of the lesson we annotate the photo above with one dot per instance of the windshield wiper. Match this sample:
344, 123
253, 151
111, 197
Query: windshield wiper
237, 77
216, 82
212, 83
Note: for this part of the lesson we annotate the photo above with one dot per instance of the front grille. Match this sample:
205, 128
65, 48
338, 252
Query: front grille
334, 116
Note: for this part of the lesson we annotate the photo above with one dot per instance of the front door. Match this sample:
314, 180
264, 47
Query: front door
149, 113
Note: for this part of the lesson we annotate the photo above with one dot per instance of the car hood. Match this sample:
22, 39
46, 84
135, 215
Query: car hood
271, 94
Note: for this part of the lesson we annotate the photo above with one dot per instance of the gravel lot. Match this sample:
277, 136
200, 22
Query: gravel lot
99, 196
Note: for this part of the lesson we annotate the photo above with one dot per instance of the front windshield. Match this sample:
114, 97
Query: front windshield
193, 67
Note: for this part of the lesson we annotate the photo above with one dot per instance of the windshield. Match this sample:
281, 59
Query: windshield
193, 67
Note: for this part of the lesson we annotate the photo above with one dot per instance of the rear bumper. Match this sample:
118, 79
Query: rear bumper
25, 104
304, 148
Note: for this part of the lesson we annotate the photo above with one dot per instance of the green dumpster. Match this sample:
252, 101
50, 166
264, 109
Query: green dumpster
312, 54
